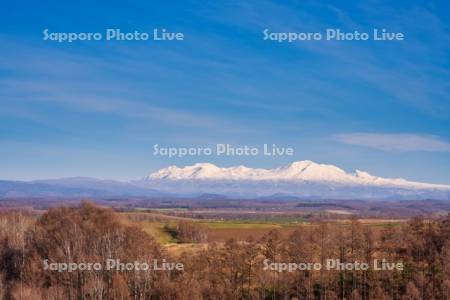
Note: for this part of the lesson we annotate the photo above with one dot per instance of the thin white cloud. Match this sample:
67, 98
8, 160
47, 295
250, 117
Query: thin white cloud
395, 142
408, 78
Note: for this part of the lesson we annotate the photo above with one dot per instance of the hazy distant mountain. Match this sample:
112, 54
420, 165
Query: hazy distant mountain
301, 179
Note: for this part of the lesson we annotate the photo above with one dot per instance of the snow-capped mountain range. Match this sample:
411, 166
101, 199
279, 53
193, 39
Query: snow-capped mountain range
299, 171
302, 179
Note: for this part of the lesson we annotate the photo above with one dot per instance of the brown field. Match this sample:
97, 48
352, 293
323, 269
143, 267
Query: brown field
223, 234
156, 224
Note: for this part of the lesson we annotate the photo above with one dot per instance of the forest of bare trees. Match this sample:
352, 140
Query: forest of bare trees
231, 270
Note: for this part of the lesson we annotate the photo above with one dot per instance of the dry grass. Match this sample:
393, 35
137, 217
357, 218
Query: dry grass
156, 225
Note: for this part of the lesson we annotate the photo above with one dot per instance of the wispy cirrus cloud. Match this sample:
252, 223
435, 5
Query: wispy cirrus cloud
402, 71
395, 142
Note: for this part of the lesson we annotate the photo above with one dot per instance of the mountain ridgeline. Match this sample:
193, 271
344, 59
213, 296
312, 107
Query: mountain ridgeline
302, 179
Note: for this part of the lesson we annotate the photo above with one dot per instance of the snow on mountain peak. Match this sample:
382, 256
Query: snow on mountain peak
298, 171
363, 174
196, 171
301, 164
300, 178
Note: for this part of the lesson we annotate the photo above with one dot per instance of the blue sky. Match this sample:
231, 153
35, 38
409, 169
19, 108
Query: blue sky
96, 108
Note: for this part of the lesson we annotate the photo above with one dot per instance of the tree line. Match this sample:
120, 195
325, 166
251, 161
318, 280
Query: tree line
231, 270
